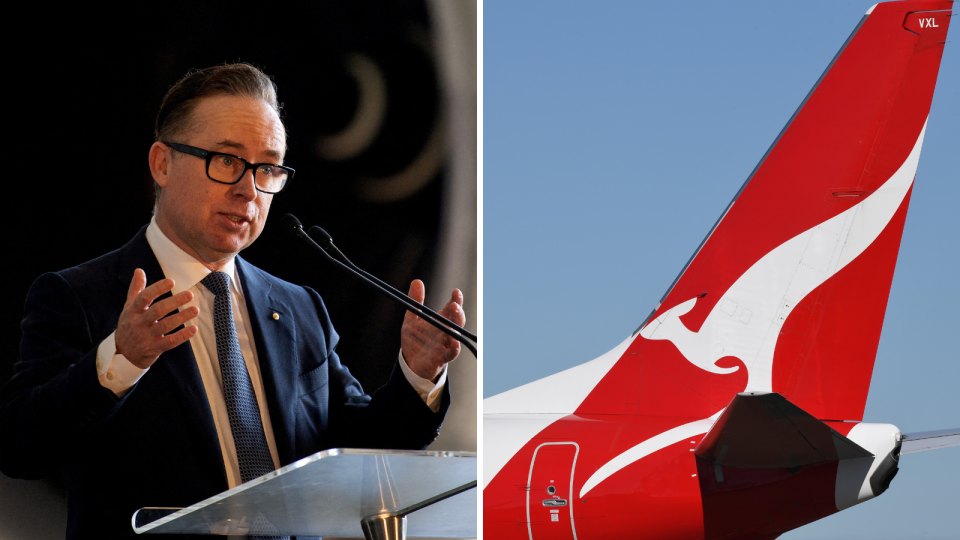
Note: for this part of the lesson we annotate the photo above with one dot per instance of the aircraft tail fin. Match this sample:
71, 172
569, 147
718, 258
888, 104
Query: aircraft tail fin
787, 293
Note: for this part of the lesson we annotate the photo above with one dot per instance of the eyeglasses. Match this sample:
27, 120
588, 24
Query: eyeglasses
229, 169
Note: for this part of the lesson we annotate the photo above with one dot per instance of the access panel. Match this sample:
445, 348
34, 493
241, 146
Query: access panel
550, 489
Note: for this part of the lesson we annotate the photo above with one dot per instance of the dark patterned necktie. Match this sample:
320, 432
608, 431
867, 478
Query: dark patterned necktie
253, 454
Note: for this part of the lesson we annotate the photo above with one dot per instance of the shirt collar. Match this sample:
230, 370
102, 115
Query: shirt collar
183, 268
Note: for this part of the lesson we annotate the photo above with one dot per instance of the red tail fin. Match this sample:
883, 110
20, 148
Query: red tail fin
788, 291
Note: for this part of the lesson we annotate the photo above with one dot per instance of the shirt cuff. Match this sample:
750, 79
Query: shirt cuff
114, 371
429, 391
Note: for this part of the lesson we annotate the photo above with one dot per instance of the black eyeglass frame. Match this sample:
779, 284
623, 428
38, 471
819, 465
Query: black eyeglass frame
208, 155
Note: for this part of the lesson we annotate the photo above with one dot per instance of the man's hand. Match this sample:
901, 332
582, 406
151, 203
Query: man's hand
425, 348
141, 336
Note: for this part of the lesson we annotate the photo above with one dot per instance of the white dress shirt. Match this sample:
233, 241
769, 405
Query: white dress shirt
117, 374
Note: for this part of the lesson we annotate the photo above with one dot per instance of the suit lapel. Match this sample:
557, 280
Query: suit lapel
275, 339
178, 366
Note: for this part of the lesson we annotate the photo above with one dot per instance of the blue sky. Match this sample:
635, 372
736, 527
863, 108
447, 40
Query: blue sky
615, 134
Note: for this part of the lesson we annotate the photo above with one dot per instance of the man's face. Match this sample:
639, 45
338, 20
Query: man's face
208, 220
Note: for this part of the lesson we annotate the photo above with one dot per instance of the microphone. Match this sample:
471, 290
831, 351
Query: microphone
292, 224
326, 242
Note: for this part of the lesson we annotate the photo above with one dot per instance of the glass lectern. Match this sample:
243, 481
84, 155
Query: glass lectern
340, 493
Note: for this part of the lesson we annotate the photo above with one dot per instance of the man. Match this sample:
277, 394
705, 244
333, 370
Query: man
171, 370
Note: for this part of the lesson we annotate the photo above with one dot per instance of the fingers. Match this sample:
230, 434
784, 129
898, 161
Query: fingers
457, 297
176, 339
166, 325
167, 305
425, 348
454, 312
417, 293
454, 309
417, 290
452, 351
136, 285
142, 299
143, 331
149, 294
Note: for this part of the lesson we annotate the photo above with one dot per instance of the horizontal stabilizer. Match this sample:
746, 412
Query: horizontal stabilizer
929, 440
762, 430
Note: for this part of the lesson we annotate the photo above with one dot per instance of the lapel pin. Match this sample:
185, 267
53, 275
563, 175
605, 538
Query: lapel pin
276, 316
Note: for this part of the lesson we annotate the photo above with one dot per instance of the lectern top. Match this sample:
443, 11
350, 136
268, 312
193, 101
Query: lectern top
328, 493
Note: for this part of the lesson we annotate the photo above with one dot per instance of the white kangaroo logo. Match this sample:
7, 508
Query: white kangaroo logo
746, 321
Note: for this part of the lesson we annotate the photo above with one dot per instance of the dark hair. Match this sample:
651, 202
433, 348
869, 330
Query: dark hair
176, 109
229, 79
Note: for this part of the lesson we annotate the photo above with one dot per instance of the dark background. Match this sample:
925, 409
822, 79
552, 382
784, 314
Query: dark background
82, 85
83, 88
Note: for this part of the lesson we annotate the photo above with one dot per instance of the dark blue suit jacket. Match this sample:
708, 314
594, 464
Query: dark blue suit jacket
158, 445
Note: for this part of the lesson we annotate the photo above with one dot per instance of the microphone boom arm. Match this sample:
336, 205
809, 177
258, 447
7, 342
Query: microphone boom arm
410, 301
298, 230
